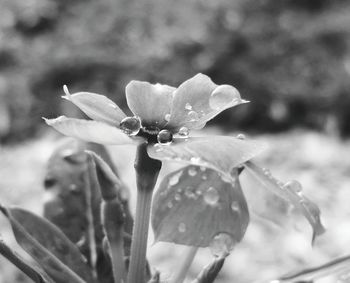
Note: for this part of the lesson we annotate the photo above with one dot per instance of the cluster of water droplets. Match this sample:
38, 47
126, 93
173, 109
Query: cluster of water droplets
193, 115
294, 186
224, 96
222, 244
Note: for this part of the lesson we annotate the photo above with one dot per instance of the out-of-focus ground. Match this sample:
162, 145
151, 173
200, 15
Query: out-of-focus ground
318, 161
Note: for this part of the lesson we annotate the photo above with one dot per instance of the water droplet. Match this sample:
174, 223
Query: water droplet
189, 193
294, 186
224, 96
167, 117
267, 172
175, 179
227, 179
211, 196
193, 115
188, 106
184, 131
112, 105
204, 177
159, 149
195, 160
170, 204
130, 125
241, 136
192, 171
74, 188
235, 206
165, 137
177, 197
182, 227
199, 192
221, 244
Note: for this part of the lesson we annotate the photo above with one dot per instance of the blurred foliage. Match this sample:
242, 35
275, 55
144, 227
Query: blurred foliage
290, 58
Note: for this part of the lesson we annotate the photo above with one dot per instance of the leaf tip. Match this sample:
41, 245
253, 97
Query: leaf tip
3, 209
318, 231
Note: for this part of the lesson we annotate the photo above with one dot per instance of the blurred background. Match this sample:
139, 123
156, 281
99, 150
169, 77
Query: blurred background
290, 58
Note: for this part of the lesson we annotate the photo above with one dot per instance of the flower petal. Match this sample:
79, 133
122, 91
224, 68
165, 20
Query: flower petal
192, 206
292, 195
217, 152
198, 100
92, 131
151, 102
96, 106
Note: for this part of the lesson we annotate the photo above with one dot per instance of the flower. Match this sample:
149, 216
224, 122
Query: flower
163, 117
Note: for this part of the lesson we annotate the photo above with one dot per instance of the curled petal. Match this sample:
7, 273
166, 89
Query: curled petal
91, 131
97, 107
151, 102
198, 100
220, 153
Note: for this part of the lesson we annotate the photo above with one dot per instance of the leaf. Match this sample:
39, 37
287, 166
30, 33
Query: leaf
334, 267
264, 205
195, 204
57, 255
112, 214
155, 277
211, 271
91, 131
220, 153
111, 186
309, 209
33, 272
96, 106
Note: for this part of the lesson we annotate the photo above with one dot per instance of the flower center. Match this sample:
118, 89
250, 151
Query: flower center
132, 126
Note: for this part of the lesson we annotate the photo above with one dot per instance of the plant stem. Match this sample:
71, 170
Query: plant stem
147, 170
185, 265
90, 219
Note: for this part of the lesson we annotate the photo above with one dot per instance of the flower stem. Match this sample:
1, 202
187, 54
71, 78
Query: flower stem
147, 170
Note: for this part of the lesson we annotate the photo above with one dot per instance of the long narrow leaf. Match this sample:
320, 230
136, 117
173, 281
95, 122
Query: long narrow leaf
90, 233
38, 276
57, 255
334, 267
